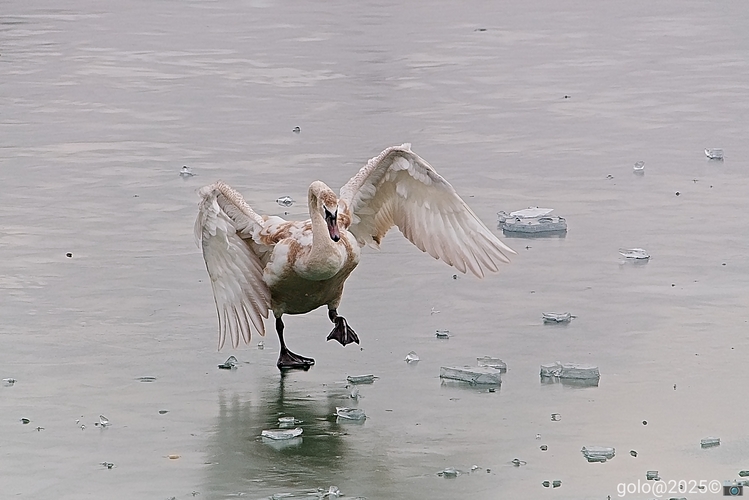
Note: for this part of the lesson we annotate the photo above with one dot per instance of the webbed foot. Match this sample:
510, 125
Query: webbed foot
342, 332
288, 360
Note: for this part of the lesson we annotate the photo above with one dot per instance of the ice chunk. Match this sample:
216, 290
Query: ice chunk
361, 379
472, 375
285, 201
531, 212
517, 462
634, 253
556, 417
186, 172
744, 473
231, 362
103, 422
350, 413
709, 442
287, 422
714, 153
639, 166
534, 225
354, 394
280, 434
412, 357
9, 381
557, 317
598, 453
449, 472
570, 371
443, 334
495, 363
652, 475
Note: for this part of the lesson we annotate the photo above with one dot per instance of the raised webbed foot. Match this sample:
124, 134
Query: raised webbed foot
342, 332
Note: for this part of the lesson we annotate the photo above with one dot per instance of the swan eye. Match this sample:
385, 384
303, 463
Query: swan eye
329, 215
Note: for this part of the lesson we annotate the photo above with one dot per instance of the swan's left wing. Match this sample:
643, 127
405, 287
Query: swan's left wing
399, 188
224, 229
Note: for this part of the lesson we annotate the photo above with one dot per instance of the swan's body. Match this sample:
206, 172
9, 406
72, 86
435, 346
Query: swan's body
257, 264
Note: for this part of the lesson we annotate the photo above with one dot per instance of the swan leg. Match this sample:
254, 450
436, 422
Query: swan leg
341, 332
288, 360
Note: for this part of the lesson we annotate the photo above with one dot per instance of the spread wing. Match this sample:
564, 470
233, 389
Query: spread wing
224, 229
399, 188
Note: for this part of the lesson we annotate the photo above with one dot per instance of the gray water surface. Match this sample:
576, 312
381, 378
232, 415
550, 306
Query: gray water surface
530, 103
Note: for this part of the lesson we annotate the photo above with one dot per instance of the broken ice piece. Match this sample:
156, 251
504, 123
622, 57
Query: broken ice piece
714, 153
547, 224
709, 442
634, 253
354, 394
556, 483
556, 417
231, 362
9, 381
517, 462
412, 357
639, 166
361, 379
449, 472
557, 317
286, 422
285, 201
350, 413
570, 371
443, 334
744, 473
103, 421
108, 465
526, 213
186, 172
472, 375
279, 434
652, 475
598, 453
495, 363
332, 492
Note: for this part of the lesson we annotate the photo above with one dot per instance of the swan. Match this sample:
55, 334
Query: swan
260, 263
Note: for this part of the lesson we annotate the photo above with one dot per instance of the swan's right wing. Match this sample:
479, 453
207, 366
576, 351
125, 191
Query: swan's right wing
225, 221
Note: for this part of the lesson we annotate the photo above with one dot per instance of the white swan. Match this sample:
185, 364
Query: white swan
260, 263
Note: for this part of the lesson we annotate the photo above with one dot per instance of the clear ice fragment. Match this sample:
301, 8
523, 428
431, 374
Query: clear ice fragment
412, 357
495, 363
471, 374
103, 421
285, 201
634, 253
652, 475
557, 317
231, 362
570, 371
709, 442
286, 422
714, 153
443, 334
598, 453
361, 379
281, 434
639, 166
517, 462
354, 394
9, 381
261, 345
186, 171
534, 225
449, 472
350, 413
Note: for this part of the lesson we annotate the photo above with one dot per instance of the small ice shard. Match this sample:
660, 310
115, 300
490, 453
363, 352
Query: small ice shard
332, 492
449, 472
108, 465
495, 363
186, 172
261, 345
287, 422
471, 374
543, 447
412, 357
296, 130
709, 442
714, 153
443, 334
557, 317
9, 381
744, 473
639, 166
570, 371
517, 462
556, 417
433, 311
534, 225
285, 201
281, 434
350, 413
634, 253
231, 362
25, 421
103, 421
361, 379
146, 379
354, 394
652, 475
556, 483
598, 453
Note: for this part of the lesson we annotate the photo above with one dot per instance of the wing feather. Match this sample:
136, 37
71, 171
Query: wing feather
224, 230
399, 188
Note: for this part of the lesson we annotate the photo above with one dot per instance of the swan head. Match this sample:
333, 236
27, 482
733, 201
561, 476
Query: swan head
324, 201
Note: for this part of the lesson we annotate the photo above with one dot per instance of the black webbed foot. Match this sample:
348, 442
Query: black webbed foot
342, 332
288, 360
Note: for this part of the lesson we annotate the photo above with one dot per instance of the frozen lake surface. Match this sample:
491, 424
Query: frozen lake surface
528, 104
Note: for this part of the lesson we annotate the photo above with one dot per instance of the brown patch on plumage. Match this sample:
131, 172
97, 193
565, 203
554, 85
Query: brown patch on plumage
282, 231
377, 239
329, 198
344, 220
295, 248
